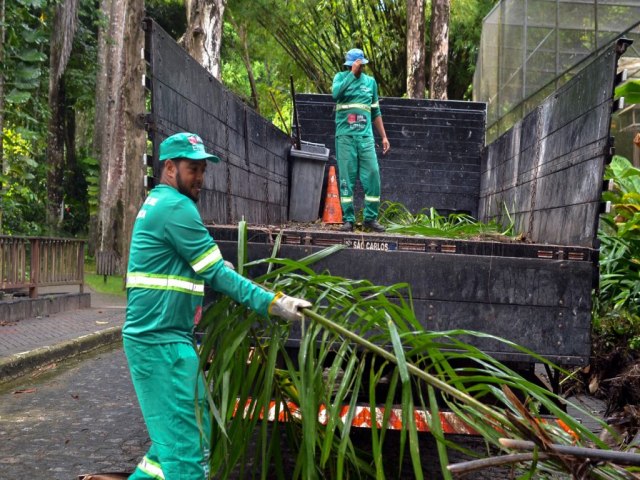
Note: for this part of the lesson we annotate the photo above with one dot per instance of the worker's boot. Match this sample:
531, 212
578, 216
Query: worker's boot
374, 225
346, 227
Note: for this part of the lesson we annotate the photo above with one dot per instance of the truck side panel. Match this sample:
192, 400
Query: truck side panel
542, 305
547, 170
252, 179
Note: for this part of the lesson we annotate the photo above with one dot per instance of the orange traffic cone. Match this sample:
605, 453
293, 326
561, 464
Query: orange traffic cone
332, 210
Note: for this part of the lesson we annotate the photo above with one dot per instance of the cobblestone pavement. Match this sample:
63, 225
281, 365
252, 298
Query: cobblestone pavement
31, 333
81, 418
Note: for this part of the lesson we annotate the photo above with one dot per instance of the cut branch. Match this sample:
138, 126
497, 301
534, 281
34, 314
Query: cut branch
613, 456
475, 465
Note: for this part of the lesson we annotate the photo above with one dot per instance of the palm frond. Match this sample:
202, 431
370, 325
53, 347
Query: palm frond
355, 335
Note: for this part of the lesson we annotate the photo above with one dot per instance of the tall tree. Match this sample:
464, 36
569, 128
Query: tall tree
65, 20
439, 48
203, 38
416, 49
119, 140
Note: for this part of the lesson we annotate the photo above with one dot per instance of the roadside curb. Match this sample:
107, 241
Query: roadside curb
18, 309
24, 363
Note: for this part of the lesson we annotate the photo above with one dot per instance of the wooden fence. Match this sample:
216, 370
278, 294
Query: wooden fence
33, 262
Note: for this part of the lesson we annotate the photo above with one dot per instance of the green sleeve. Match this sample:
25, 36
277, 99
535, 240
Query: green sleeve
375, 106
341, 82
188, 235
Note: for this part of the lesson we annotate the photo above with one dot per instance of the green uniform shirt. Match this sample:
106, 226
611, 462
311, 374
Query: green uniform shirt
172, 255
356, 103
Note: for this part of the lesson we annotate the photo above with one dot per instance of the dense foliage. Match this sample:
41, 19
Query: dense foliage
316, 35
617, 305
24, 136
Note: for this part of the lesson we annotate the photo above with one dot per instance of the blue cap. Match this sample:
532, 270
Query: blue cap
353, 55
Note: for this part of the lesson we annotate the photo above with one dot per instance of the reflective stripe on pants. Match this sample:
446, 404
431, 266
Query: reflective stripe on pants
357, 158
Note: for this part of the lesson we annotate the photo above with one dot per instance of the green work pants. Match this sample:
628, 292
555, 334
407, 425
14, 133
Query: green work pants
356, 157
165, 377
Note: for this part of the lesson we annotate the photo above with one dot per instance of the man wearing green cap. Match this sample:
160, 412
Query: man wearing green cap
356, 96
172, 255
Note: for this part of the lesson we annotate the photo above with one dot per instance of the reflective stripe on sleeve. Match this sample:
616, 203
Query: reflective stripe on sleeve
207, 259
346, 199
375, 105
368, 198
165, 282
348, 106
151, 468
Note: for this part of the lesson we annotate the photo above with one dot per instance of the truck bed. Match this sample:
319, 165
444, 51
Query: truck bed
546, 172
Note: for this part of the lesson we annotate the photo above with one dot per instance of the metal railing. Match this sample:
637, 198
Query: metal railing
33, 262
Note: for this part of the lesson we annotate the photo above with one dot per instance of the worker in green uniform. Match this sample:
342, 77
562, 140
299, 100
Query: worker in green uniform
172, 255
356, 96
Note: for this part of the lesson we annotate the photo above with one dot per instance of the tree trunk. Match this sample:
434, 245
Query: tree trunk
63, 30
119, 140
55, 154
203, 37
439, 48
416, 49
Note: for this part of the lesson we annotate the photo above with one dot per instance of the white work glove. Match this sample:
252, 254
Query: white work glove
230, 265
288, 307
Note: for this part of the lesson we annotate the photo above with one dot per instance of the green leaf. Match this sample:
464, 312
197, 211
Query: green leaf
398, 350
32, 56
28, 73
630, 90
35, 4
17, 97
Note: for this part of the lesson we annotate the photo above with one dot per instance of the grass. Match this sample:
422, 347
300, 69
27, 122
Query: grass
106, 284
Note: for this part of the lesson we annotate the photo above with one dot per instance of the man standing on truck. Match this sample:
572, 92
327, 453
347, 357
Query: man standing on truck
356, 96
172, 255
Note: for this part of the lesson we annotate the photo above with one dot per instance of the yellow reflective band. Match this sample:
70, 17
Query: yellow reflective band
346, 199
207, 259
367, 198
375, 105
348, 106
275, 299
151, 468
165, 282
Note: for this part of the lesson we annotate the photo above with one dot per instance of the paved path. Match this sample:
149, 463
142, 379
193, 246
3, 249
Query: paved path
81, 417
33, 343
58, 417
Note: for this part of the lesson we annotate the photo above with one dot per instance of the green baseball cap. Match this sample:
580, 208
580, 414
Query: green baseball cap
185, 145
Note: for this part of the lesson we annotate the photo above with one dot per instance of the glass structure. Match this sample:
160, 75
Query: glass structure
529, 48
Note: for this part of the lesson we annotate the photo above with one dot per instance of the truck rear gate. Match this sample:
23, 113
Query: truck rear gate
547, 171
521, 292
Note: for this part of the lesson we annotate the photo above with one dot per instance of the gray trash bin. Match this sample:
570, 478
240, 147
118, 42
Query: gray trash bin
307, 175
